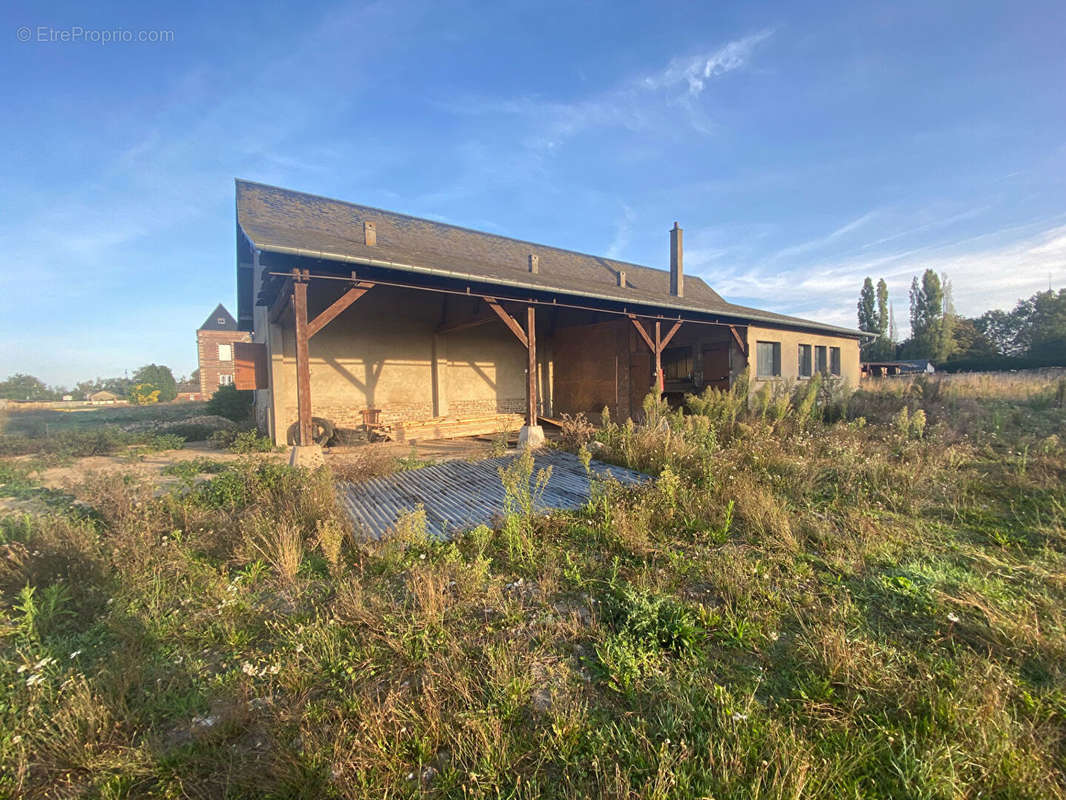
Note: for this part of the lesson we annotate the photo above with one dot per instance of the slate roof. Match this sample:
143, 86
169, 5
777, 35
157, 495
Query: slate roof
288, 222
220, 313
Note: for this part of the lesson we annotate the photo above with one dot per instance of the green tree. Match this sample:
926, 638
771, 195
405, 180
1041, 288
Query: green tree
1001, 329
868, 316
945, 332
884, 347
927, 315
25, 387
970, 341
161, 378
1043, 332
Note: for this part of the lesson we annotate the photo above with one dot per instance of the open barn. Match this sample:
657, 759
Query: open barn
365, 318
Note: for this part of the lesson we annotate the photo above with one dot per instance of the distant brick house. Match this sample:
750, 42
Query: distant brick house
214, 344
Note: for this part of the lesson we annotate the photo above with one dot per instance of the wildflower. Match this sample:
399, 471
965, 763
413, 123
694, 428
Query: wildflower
275, 669
953, 617
75, 654
247, 668
16, 738
300, 647
738, 717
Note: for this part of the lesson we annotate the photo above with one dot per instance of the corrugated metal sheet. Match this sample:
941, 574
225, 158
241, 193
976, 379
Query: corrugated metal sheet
458, 495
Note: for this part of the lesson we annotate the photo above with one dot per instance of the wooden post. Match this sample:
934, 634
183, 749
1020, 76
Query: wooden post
303, 358
531, 382
659, 357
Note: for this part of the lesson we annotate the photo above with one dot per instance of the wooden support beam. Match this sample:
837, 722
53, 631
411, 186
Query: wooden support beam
670, 335
643, 333
303, 358
659, 357
282, 302
531, 384
508, 320
739, 341
336, 307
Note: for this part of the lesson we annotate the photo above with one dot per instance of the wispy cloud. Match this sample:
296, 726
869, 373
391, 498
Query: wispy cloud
830, 238
992, 270
695, 72
637, 104
623, 232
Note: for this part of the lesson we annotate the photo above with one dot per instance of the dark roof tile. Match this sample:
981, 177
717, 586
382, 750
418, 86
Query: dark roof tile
281, 220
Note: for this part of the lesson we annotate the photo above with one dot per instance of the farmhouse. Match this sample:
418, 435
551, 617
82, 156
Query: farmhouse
362, 316
214, 350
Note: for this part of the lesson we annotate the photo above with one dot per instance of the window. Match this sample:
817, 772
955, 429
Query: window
834, 360
225, 352
677, 363
820, 364
805, 361
768, 359
225, 380
222, 321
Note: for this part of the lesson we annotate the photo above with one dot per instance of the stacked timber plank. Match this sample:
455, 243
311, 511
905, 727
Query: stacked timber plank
453, 427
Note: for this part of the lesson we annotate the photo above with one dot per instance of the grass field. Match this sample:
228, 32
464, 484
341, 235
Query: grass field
819, 596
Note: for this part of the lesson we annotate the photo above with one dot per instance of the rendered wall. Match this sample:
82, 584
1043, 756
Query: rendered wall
790, 342
383, 352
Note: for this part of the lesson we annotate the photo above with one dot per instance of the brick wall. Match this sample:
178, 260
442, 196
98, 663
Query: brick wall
212, 368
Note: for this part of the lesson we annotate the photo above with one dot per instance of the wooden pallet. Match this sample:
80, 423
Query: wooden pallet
454, 427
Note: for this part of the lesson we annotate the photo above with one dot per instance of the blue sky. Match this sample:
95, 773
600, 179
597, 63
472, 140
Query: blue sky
801, 146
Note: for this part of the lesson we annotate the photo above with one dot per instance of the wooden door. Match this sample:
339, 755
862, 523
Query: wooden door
716, 366
640, 382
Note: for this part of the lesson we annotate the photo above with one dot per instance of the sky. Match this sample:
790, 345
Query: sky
801, 146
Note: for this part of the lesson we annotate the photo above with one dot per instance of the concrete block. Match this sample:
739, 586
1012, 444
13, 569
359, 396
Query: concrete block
531, 436
309, 456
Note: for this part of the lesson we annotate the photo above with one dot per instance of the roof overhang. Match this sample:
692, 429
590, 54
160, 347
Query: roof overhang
739, 315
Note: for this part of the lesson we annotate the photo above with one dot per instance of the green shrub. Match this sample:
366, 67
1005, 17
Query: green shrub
230, 403
159, 442
243, 442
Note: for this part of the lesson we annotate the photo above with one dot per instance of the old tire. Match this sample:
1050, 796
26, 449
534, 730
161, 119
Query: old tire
322, 431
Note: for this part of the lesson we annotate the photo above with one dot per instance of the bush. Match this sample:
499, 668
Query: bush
576, 431
243, 442
230, 403
144, 394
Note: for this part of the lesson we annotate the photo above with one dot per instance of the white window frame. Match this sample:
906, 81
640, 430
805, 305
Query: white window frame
225, 352
225, 379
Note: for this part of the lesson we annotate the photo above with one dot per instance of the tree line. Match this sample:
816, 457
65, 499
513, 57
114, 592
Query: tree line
150, 384
1033, 333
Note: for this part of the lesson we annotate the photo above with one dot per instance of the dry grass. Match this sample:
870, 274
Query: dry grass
813, 600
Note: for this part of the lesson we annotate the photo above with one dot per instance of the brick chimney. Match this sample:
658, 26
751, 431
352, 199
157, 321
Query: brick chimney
677, 271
